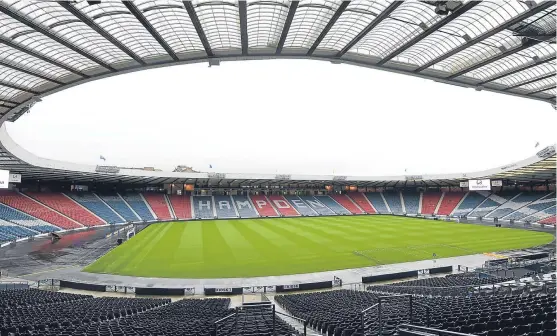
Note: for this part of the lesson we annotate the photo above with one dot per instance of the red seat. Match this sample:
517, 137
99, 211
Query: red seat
68, 207
37, 210
158, 203
449, 203
263, 206
282, 205
362, 202
429, 202
347, 203
548, 220
181, 205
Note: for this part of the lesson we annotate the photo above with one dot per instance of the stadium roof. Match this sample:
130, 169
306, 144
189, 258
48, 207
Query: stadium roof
500, 46
539, 168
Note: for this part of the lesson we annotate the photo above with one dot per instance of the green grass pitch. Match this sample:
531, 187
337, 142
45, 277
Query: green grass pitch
264, 247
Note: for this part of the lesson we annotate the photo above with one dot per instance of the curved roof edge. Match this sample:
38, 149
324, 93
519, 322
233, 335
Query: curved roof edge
540, 168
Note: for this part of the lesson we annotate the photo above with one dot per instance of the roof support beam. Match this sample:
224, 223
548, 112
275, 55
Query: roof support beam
54, 37
533, 80
382, 16
328, 27
91, 23
242, 10
286, 27
16, 87
438, 25
521, 68
553, 86
489, 33
25, 71
143, 20
526, 44
41, 57
198, 28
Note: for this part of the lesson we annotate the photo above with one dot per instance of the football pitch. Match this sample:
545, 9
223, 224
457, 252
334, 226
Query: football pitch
279, 246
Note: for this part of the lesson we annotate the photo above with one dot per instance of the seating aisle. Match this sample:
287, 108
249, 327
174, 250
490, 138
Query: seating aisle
68, 207
348, 204
333, 205
362, 201
377, 201
224, 207
317, 206
282, 205
37, 210
96, 206
300, 205
117, 204
470, 202
181, 205
263, 206
429, 202
449, 202
244, 207
17, 217
138, 205
158, 204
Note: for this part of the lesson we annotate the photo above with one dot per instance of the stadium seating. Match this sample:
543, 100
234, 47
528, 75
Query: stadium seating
68, 207
70, 315
158, 204
136, 202
516, 203
470, 202
333, 205
337, 313
181, 205
347, 203
10, 231
533, 207
548, 220
548, 212
282, 205
430, 200
203, 207
363, 202
411, 202
95, 205
317, 206
377, 202
224, 207
188, 317
8, 214
117, 204
244, 206
491, 203
300, 206
264, 207
449, 202
37, 210
394, 202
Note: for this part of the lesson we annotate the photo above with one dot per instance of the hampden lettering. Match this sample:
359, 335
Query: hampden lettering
243, 204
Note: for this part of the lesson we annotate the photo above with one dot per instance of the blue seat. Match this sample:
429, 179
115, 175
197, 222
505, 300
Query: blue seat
244, 206
471, 201
118, 205
138, 205
333, 205
317, 205
411, 202
224, 207
300, 205
393, 199
95, 205
24, 220
203, 207
377, 201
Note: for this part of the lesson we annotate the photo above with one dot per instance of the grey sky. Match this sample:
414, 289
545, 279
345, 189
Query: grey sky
287, 116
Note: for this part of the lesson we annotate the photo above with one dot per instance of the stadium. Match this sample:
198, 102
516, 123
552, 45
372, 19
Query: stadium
108, 250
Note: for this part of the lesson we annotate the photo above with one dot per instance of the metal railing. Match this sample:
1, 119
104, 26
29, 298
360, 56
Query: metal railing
409, 329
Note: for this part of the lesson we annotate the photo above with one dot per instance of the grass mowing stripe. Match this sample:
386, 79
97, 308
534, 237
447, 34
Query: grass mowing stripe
264, 247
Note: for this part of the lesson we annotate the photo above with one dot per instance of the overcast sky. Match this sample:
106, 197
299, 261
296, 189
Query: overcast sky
285, 116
